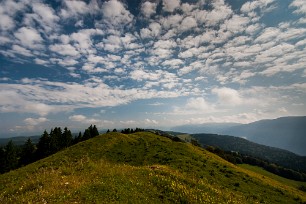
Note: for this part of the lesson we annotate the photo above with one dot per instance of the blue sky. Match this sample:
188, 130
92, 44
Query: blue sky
149, 63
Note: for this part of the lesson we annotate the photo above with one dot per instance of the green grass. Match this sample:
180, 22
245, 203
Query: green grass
139, 168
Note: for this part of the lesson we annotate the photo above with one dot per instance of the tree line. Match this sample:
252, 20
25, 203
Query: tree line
12, 156
237, 158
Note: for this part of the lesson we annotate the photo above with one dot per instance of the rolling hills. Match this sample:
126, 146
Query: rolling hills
140, 168
275, 155
287, 133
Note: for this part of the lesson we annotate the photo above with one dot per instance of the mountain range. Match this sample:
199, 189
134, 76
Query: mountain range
274, 155
287, 133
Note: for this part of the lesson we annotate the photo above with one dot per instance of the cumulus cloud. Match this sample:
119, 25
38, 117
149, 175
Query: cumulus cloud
227, 96
198, 104
113, 55
64, 49
35, 121
116, 14
148, 8
299, 5
78, 118
188, 23
29, 37
171, 5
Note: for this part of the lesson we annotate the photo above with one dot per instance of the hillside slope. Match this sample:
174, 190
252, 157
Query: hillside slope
275, 155
286, 133
139, 168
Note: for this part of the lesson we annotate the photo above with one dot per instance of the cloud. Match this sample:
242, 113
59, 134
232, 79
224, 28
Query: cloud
6, 22
156, 104
148, 8
77, 118
113, 55
188, 23
64, 49
268, 34
115, 13
299, 5
46, 16
199, 104
171, 5
35, 121
75, 9
150, 122
20, 50
29, 37
227, 96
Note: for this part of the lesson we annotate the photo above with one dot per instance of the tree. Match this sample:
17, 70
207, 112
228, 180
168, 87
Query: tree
78, 138
94, 131
86, 134
55, 139
66, 139
27, 153
43, 146
2, 160
10, 157
114, 130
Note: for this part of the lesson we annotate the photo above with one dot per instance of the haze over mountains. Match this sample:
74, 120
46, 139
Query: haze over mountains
287, 133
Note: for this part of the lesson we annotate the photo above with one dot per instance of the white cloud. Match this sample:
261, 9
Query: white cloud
299, 5
236, 24
227, 96
64, 49
268, 34
75, 9
188, 23
150, 122
21, 50
35, 121
171, 21
46, 16
29, 37
219, 13
116, 14
173, 63
171, 5
77, 118
148, 8
40, 61
6, 22
199, 104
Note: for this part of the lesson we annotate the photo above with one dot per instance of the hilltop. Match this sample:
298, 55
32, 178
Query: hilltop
140, 168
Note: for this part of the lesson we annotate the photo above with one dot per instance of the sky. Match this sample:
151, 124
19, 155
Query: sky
147, 64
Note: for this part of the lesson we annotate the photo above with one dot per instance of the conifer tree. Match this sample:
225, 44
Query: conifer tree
2, 160
27, 153
55, 139
95, 131
78, 138
86, 134
10, 157
43, 146
66, 139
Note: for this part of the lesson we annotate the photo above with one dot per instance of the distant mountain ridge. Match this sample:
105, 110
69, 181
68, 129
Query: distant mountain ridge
275, 155
287, 133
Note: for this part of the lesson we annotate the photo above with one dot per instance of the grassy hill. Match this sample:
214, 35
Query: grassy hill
140, 168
